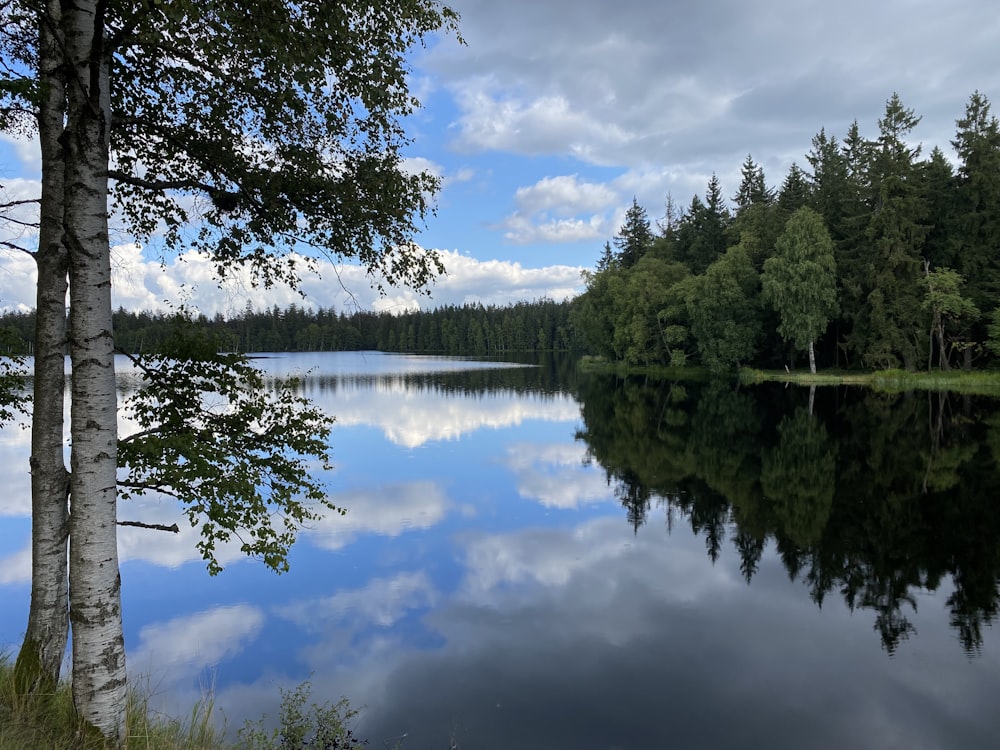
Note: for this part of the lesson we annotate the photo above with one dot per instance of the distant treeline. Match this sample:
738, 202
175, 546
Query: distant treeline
469, 330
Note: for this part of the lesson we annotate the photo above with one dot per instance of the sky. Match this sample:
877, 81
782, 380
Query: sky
554, 115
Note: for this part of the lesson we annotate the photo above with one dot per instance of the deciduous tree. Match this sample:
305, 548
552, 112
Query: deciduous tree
259, 134
800, 281
724, 305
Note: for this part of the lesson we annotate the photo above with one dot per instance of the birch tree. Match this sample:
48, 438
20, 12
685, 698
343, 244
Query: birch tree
262, 135
800, 281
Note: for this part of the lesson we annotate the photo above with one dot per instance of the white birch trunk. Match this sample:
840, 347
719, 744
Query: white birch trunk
95, 601
41, 656
812, 358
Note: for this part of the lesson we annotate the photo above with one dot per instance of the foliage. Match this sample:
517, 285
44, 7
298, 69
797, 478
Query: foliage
725, 311
798, 477
304, 727
800, 280
944, 301
14, 398
886, 210
237, 452
249, 133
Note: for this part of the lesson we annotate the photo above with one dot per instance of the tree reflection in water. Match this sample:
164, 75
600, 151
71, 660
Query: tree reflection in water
872, 497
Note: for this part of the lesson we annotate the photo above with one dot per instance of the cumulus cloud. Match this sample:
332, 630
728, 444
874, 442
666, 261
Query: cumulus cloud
139, 283
168, 650
381, 603
385, 510
552, 475
16, 568
566, 194
411, 418
696, 87
552, 557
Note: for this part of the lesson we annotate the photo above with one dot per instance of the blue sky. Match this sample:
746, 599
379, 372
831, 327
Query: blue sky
555, 114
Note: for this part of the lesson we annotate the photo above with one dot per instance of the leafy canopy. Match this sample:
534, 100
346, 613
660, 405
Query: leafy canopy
238, 451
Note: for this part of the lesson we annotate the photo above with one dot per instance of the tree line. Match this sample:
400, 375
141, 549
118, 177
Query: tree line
871, 257
472, 330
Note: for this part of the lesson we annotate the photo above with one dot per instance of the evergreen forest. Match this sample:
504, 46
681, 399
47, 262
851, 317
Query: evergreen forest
869, 256
468, 330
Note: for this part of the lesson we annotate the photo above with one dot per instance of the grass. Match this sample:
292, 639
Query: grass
48, 720
889, 381
981, 383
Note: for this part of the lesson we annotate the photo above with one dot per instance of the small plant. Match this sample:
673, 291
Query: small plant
304, 727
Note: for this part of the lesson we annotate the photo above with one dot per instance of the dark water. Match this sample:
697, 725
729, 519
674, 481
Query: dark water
536, 559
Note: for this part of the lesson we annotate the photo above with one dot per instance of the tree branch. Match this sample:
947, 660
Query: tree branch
160, 184
12, 246
11, 204
154, 526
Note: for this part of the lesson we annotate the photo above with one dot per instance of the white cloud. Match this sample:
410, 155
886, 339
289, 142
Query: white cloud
26, 150
386, 510
163, 548
418, 164
565, 194
500, 282
143, 284
16, 568
411, 418
497, 121
172, 650
381, 603
551, 558
553, 475
522, 230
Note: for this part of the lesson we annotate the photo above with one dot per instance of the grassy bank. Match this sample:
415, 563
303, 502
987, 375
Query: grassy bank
984, 383
889, 381
48, 721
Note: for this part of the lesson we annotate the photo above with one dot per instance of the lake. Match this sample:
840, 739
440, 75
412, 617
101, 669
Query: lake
534, 558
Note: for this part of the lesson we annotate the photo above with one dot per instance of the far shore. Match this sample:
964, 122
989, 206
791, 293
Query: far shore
980, 382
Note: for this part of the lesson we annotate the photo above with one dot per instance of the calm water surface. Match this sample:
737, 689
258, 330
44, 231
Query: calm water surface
535, 559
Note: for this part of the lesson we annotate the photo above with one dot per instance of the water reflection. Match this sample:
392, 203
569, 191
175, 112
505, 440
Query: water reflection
533, 560
873, 498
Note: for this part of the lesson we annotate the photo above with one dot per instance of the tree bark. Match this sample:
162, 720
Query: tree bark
41, 655
812, 358
95, 584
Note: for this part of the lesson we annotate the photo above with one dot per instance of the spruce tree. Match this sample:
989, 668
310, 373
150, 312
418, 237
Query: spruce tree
977, 219
635, 236
895, 239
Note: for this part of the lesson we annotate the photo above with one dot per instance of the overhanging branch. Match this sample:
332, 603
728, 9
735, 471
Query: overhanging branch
160, 184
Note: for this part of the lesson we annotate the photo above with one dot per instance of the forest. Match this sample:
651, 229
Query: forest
467, 330
868, 257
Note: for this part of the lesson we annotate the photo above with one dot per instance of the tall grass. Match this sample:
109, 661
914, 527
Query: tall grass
48, 720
